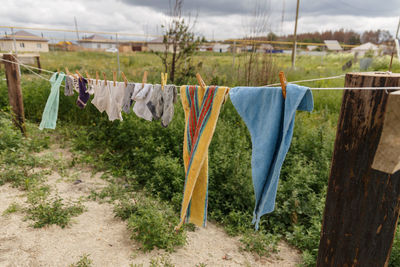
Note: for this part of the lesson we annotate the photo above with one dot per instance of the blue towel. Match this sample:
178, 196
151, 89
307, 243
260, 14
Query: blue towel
50, 113
270, 120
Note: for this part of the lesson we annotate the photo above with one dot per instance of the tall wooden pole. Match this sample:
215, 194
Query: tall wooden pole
362, 204
295, 36
15, 92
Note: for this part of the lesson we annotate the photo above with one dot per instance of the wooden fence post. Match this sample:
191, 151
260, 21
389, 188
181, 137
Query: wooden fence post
15, 92
362, 204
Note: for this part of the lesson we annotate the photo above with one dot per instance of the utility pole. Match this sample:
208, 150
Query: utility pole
76, 28
395, 41
15, 49
295, 36
283, 15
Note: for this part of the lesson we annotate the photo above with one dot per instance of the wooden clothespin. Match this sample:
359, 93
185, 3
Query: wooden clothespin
200, 81
67, 71
105, 78
77, 72
144, 80
124, 77
114, 77
283, 81
87, 74
164, 77
97, 77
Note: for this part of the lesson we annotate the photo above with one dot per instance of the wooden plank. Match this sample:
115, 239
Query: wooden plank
15, 92
362, 204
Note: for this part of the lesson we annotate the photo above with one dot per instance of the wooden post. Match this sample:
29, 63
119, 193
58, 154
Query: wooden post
38, 64
362, 204
15, 92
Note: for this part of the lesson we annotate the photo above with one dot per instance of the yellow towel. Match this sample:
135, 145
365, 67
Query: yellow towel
202, 107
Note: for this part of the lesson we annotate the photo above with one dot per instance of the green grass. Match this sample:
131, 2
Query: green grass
147, 157
84, 261
14, 207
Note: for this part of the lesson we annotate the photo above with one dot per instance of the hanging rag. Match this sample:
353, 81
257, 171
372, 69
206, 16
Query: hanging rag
83, 97
162, 102
129, 89
69, 86
117, 97
270, 120
142, 96
90, 87
50, 113
102, 97
201, 107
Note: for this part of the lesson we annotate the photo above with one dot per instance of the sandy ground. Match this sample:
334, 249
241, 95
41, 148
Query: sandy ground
96, 232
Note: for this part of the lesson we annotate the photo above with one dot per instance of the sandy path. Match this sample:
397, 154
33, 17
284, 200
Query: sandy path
96, 232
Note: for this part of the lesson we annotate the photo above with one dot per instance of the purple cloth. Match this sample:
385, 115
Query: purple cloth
83, 97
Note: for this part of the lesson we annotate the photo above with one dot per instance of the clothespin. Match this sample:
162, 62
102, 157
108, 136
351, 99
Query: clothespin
87, 74
77, 72
283, 83
164, 77
144, 80
67, 71
114, 77
105, 78
58, 70
200, 81
97, 77
124, 77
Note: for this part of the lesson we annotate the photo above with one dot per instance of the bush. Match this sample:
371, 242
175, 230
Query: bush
152, 224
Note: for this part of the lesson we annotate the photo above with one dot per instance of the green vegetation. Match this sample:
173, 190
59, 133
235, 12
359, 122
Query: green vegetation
147, 157
44, 211
84, 261
14, 207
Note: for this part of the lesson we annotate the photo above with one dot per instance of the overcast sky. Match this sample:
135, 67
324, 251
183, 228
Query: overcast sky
220, 19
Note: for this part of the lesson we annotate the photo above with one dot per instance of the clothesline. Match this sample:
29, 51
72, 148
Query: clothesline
268, 85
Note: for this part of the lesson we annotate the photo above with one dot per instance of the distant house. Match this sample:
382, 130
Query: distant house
97, 42
221, 48
333, 45
264, 48
362, 49
157, 45
204, 48
25, 42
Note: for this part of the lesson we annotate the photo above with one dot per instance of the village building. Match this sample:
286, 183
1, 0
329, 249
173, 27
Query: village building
364, 48
97, 42
157, 45
24, 41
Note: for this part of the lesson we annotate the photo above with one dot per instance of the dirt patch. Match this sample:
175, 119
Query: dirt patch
105, 238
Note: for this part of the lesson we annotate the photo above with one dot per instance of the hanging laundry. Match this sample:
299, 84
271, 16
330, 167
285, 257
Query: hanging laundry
50, 113
83, 97
90, 87
117, 93
162, 102
129, 89
69, 86
102, 97
142, 96
202, 107
270, 120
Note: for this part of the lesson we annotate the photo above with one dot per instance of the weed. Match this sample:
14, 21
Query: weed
162, 261
260, 242
84, 261
152, 224
13, 207
44, 211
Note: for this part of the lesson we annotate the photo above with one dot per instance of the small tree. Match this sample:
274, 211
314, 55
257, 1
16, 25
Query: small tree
180, 43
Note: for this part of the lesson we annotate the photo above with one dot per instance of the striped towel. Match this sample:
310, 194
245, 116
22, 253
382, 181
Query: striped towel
202, 107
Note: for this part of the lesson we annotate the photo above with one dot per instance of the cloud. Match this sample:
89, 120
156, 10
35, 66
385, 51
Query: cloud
220, 19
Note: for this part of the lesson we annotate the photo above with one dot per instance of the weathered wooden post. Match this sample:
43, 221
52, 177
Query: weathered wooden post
362, 203
15, 92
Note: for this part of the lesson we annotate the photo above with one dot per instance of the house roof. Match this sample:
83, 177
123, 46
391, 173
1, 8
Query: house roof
23, 36
366, 47
333, 45
95, 38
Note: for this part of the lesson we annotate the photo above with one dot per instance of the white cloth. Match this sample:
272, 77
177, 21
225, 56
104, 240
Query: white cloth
142, 96
117, 93
90, 86
102, 97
